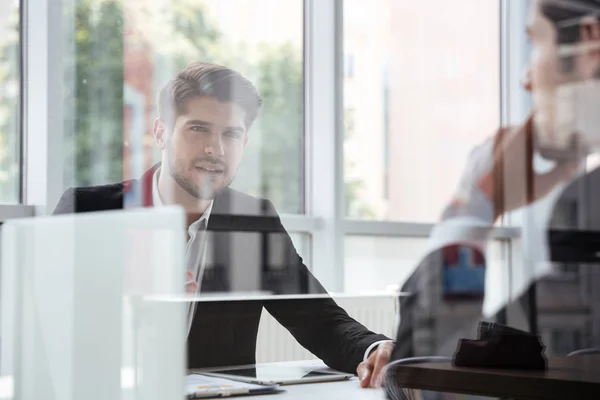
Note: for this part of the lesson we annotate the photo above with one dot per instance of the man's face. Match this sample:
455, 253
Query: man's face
544, 70
545, 77
205, 146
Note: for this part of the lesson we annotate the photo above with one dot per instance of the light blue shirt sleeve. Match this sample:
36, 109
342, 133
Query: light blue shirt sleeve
470, 222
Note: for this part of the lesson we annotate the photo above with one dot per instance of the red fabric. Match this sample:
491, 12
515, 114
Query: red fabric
450, 254
142, 187
147, 189
478, 257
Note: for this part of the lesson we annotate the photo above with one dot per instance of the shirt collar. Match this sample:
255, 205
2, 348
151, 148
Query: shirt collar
157, 201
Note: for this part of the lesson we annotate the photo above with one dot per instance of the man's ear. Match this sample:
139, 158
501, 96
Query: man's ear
590, 38
160, 134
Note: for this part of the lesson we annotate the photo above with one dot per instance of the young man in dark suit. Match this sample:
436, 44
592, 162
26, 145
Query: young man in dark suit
205, 113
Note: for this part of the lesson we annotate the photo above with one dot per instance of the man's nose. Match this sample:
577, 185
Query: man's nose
215, 147
526, 79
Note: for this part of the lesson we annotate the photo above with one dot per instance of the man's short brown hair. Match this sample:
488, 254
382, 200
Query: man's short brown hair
566, 16
208, 79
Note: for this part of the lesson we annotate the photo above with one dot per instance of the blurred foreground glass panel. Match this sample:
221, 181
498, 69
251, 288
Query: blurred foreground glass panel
80, 318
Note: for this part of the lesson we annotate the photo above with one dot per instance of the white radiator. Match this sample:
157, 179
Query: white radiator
275, 343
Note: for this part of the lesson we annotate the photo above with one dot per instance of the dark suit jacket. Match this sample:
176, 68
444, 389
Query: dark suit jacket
224, 333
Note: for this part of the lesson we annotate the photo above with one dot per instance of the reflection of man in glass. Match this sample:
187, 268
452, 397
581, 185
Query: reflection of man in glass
205, 113
564, 126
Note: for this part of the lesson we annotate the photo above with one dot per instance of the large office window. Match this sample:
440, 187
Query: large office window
424, 90
10, 139
93, 86
125, 51
415, 101
359, 165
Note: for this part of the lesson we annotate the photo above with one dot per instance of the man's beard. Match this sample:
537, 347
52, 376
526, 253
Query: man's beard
568, 120
204, 191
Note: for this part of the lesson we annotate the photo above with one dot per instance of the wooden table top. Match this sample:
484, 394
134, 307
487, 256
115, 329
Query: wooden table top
575, 377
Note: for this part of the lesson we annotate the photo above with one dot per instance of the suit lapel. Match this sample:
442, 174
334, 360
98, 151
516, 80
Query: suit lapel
216, 273
222, 203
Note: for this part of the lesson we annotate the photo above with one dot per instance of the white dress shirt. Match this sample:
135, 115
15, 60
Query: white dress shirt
195, 253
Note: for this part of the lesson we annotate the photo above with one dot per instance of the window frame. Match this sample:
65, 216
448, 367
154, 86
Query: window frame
42, 117
19, 209
10, 211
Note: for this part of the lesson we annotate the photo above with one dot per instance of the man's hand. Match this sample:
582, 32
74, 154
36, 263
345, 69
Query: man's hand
190, 283
369, 371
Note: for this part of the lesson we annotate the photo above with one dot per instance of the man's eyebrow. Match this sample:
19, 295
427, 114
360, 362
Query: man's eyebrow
236, 128
198, 122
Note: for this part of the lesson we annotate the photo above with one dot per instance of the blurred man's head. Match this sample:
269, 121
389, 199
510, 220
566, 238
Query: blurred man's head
205, 113
564, 68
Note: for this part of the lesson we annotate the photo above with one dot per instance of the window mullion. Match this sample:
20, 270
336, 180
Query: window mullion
324, 135
43, 107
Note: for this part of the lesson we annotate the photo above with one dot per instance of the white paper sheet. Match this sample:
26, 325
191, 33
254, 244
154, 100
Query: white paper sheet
201, 386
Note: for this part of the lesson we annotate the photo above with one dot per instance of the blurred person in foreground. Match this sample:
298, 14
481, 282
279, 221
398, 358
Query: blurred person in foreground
501, 176
202, 130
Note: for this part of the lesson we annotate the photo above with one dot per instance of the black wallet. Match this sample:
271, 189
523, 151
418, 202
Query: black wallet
500, 346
